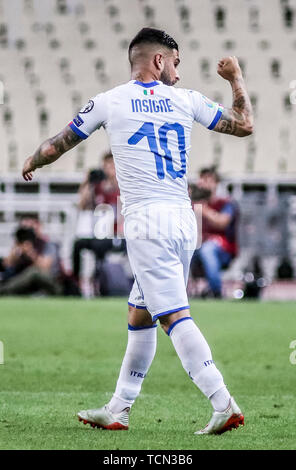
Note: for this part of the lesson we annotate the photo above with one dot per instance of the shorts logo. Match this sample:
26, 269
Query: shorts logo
78, 121
87, 108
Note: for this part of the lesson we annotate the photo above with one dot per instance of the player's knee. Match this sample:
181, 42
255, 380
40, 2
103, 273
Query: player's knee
139, 317
166, 321
164, 326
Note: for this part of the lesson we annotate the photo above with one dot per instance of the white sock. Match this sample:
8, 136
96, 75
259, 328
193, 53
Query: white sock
138, 357
220, 399
196, 356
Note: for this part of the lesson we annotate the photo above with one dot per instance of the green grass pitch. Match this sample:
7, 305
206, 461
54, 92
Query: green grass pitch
63, 355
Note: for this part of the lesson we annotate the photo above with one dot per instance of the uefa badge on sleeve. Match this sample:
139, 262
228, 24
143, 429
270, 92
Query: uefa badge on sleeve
87, 108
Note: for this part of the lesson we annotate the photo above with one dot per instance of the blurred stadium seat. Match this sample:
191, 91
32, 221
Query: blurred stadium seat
58, 50
58, 53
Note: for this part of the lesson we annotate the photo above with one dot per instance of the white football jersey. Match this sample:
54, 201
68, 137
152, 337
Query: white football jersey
149, 128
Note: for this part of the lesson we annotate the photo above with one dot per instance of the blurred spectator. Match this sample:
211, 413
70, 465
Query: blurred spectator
44, 245
32, 266
219, 223
254, 279
99, 188
285, 269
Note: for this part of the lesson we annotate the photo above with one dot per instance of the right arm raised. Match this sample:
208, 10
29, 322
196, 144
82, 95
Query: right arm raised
237, 120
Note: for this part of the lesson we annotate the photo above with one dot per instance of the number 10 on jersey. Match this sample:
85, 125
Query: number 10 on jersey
147, 130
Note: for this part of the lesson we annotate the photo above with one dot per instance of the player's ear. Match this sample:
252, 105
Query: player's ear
159, 62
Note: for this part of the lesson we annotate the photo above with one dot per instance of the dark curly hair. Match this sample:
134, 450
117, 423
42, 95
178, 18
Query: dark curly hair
153, 36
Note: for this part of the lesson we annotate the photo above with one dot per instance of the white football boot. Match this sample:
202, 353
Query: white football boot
223, 421
103, 418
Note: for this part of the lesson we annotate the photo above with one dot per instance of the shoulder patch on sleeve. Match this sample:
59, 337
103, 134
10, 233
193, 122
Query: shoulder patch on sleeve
78, 121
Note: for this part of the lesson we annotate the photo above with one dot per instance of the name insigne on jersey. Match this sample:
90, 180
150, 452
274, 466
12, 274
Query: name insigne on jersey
151, 106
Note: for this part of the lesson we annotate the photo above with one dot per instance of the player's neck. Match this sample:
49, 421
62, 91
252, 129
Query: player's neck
144, 76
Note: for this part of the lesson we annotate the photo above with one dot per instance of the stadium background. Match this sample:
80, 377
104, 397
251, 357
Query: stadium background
56, 54
61, 355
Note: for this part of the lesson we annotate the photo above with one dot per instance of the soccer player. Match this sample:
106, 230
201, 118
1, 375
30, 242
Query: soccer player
149, 123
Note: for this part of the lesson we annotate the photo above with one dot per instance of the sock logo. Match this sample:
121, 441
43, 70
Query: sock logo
134, 373
209, 362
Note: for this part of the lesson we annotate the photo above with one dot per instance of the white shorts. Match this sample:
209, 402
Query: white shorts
160, 243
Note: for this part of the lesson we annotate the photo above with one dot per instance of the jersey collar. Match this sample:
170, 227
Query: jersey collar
146, 85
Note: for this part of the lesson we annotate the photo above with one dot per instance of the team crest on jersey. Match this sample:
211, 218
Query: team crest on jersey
88, 107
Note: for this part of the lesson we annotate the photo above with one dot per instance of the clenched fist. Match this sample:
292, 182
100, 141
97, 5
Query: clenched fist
229, 68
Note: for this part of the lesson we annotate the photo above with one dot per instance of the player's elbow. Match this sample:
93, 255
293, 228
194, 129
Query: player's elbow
47, 149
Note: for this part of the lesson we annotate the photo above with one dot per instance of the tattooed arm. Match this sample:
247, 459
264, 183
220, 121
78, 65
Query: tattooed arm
238, 120
50, 151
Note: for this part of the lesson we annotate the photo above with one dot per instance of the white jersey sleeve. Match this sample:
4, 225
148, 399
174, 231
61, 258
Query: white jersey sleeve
205, 111
91, 117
